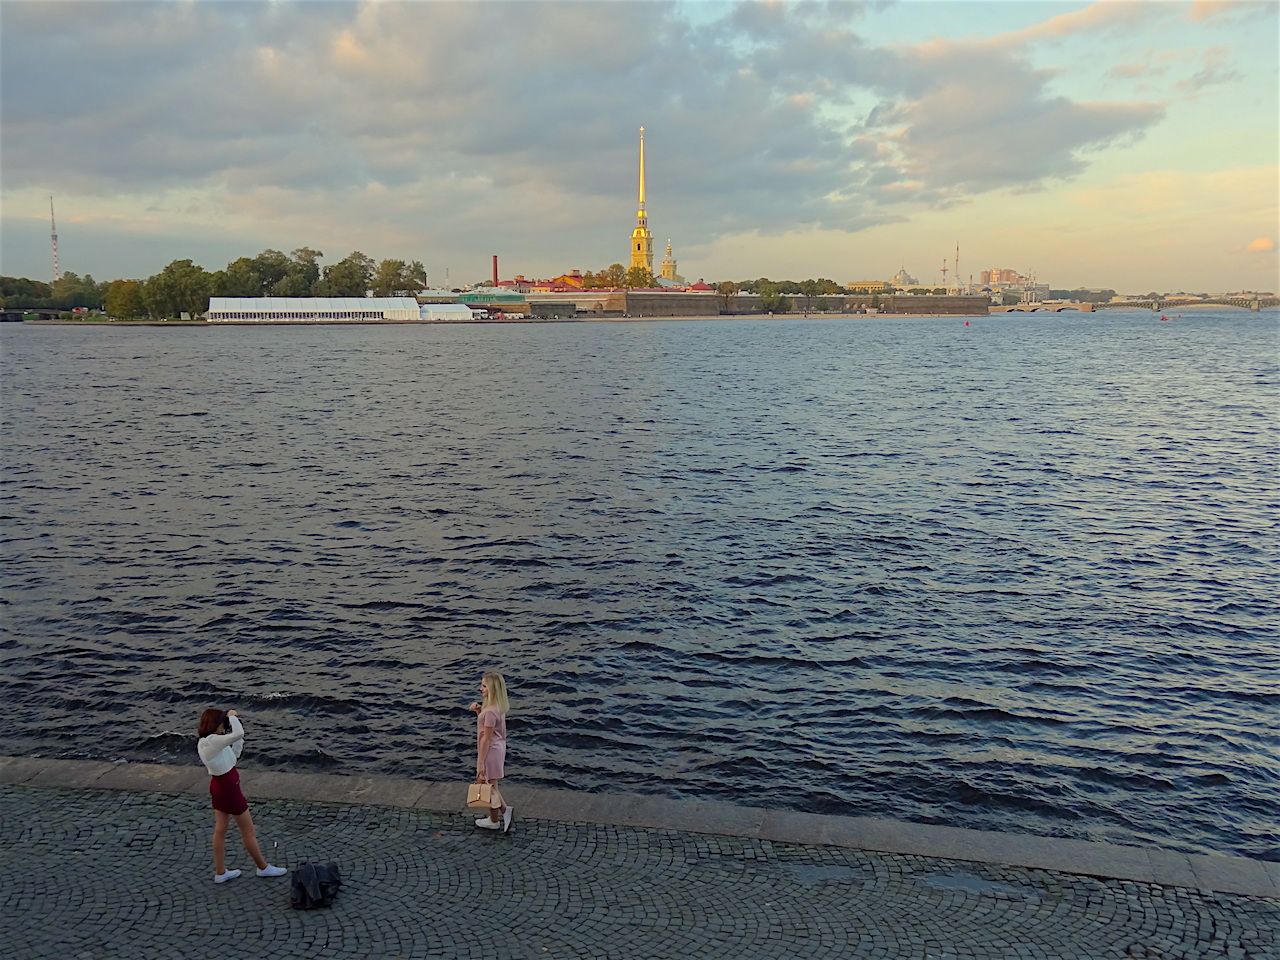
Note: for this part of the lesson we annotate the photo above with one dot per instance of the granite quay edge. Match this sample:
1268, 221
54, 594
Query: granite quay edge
1207, 873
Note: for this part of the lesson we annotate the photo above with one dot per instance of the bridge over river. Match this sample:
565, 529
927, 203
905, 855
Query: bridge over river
1040, 306
1247, 303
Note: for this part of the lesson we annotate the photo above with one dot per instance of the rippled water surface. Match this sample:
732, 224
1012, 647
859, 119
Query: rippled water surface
1019, 575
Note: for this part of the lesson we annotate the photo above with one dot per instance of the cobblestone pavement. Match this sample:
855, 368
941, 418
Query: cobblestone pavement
96, 874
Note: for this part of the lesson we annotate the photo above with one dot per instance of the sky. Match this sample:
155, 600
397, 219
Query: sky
1124, 144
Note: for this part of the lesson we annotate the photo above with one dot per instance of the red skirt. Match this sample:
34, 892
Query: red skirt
225, 791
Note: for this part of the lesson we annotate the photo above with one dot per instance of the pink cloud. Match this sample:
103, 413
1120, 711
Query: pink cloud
1262, 243
1103, 15
1208, 9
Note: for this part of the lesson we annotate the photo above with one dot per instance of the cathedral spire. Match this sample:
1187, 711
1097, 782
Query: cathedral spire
642, 168
641, 238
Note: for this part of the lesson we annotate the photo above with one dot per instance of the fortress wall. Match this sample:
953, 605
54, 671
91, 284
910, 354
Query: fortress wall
643, 304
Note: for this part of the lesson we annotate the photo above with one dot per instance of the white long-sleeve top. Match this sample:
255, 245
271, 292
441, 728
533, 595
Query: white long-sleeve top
219, 751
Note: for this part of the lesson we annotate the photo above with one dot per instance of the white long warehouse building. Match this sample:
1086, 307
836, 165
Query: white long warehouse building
331, 310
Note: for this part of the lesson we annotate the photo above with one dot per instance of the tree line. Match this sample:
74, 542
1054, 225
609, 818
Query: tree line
776, 296
616, 275
185, 287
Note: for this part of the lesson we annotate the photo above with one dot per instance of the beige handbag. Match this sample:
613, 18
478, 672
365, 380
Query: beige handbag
484, 795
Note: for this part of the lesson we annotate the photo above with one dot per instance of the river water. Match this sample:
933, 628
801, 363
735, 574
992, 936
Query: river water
1018, 575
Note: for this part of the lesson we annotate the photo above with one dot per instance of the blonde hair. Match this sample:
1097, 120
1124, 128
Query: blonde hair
497, 696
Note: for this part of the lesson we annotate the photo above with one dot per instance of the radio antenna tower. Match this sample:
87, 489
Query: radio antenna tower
944, 271
53, 234
956, 265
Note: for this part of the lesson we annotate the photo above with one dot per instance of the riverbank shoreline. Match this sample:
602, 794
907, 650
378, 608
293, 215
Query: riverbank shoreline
478, 322
1145, 864
112, 860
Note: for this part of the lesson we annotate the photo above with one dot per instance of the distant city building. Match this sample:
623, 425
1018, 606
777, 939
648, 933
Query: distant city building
312, 309
870, 286
641, 238
492, 298
997, 275
445, 312
904, 279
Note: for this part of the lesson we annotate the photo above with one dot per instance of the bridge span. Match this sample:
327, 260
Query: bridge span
1043, 307
1245, 303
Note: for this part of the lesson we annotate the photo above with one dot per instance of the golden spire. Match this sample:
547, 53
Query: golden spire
641, 238
642, 168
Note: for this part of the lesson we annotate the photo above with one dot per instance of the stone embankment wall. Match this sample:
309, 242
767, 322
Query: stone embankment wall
858, 303
643, 304
937, 306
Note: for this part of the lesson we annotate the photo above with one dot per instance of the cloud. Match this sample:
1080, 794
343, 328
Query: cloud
1215, 69
1201, 11
969, 118
1104, 16
1262, 244
439, 123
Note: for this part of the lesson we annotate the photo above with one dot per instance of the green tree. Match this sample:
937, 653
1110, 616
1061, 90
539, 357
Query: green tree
397, 277
181, 287
240, 279
70, 291
303, 275
349, 277
639, 278
615, 276
124, 299
272, 266
22, 292
809, 290
726, 290
292, 284
772, 299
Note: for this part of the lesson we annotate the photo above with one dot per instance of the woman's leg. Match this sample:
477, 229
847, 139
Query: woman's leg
220, 823
495, 813
250, 838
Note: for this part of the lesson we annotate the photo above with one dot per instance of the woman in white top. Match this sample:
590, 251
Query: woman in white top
221, 738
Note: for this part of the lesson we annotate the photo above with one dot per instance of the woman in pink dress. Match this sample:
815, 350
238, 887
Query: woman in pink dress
491, 745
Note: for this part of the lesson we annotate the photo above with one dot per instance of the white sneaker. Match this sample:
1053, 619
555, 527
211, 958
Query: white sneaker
506, 819
484, 823
224, 877
270, 871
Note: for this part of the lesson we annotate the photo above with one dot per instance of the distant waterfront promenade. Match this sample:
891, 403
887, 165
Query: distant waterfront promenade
590, 876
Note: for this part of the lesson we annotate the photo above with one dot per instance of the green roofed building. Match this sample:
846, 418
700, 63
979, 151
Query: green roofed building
489, 297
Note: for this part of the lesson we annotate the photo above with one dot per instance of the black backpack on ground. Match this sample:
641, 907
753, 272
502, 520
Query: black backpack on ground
314, 885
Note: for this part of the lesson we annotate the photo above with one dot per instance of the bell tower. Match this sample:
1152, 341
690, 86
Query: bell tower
641, 238
669, 264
